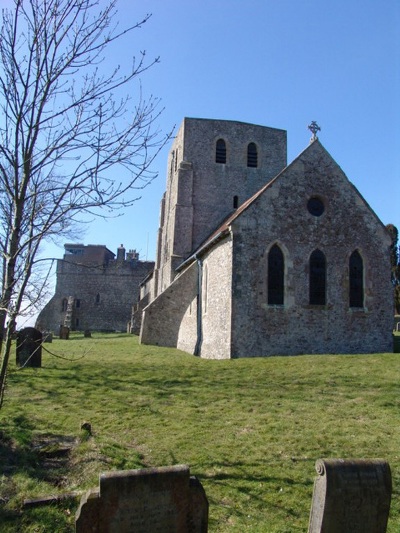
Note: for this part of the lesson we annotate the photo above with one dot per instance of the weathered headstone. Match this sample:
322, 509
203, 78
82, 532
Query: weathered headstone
64, 332
154, 500
351, 496
396, 343
29, 348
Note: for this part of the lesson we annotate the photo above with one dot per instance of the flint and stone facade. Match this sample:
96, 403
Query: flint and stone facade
256, 258
94, 290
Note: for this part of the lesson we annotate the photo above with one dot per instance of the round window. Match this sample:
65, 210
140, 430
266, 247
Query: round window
315, 206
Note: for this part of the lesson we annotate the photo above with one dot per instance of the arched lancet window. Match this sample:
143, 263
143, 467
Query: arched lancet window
64, 304
220, 151
252, 156
235, 202
317, 278
356, 280
97, 298
276, 271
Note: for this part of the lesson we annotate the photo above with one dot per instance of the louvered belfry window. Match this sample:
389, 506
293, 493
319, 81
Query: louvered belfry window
252, 156
220, 152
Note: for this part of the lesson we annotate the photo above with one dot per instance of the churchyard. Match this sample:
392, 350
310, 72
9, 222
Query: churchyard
250, 430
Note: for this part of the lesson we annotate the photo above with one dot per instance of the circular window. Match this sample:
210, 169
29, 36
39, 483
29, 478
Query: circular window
315, 206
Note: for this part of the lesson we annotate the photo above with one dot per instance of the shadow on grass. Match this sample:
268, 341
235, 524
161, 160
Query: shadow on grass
14, 453
42, 458
78, 336
251, 483
92, 381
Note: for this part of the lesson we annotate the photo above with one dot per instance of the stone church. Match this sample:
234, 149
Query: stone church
257, 258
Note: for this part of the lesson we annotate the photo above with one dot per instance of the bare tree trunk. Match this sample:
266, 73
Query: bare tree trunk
64, 136
5, 358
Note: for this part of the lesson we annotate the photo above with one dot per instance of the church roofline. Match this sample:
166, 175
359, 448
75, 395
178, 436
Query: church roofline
223, 229
217, 236
253, 198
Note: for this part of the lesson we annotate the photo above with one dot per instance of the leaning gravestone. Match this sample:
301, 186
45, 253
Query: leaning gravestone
154, 500
29, 348
351, 496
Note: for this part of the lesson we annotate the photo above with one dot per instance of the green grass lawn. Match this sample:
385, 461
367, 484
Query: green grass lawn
251, 430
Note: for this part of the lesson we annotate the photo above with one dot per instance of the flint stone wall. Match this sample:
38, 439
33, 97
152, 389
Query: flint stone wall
280, 216
116, 283
200, 192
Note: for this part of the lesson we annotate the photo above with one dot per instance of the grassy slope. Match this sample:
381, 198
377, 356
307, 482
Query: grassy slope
251, 430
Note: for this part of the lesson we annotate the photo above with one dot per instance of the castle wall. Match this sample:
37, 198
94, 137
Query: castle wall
104, 292
280, 216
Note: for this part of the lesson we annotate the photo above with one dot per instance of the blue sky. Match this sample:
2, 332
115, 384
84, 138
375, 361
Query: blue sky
278, 63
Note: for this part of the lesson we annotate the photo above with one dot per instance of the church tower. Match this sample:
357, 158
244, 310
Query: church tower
213, 167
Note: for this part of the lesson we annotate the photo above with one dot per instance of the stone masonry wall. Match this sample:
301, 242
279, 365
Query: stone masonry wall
162, 317
280, 216
104, 295
200, 192
217, 302
188, 329
215, 184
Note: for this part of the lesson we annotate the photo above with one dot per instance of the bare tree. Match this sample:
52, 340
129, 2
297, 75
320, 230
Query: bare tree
66, 133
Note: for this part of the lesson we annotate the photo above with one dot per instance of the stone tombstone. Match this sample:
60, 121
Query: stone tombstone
64, 332
29, 347
153, 500
351, 496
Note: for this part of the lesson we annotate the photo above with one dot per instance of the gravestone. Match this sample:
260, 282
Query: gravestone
351, 496
154, 500
396, 343
29, 348
64, 332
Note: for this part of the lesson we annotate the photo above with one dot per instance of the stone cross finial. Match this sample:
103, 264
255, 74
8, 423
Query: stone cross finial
314, 128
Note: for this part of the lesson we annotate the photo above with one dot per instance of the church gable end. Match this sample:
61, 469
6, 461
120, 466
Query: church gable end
336, 298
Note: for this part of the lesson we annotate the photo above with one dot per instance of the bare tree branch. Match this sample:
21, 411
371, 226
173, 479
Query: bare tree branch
72, 143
